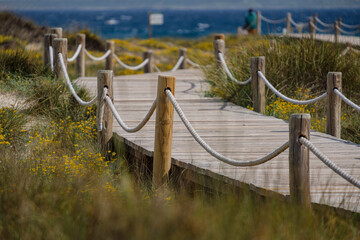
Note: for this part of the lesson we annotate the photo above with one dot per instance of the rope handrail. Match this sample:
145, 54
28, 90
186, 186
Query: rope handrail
214, 153
157, 69
51, 56
273, 21
121, 122
321, 30
124, 65
282, 96
349, 26
297, 24
347, 32
178, 63
98, 58
322, 23
76, 54
348, 101
72, 90
222, 60
192, 63
328, 162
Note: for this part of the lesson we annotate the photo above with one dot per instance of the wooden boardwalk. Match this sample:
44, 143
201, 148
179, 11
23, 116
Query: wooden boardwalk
235, 132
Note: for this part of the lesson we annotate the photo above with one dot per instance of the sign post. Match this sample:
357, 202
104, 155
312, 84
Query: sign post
154, 19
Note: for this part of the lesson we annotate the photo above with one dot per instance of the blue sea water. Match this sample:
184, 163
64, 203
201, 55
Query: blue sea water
177, 23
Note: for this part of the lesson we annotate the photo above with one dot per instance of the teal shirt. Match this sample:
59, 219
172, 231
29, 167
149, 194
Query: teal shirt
250, 21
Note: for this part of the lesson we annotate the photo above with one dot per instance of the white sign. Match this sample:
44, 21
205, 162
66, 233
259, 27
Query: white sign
156, 19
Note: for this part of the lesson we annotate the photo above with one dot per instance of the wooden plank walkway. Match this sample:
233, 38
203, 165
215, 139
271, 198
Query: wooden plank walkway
235, 132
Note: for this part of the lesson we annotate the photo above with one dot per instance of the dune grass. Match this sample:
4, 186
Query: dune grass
298, 68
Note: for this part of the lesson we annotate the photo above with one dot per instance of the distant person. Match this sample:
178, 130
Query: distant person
251, 22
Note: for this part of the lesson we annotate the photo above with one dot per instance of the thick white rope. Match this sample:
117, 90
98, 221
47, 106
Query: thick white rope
157, 69
72, 90
348, 101
192, 63
328, 162
177, 65
322, 23
121, 122
222, 60
124, 65
321, 30
349, 26
354, 50
273, 21
102, 109
98, 58
347, 32
51, 56
293, 101
297, 24
76, 54
215, 153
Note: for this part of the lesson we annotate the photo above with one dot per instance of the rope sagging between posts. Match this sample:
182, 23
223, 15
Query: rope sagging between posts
282, 96
192, 63
322, 23
347, 32
72, 90
121, 122
348, 101
222, 60
76, 54
214, 153
348, 25
321, 30
328, 162
177, 65
273, 21
121, 63
98, 58
297, 24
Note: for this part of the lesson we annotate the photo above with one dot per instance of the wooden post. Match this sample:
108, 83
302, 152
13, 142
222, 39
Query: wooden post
183, 54
105, 79
57, 32
163, 131
333, 120
110, 45
311, 27
315, 19
60, 46
336, 31
219, 47
258, 22
80, 61
258, 85
299, 159
288, 23
48, 41
148, 68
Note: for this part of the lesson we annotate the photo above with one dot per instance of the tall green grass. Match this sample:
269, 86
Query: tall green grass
292, 65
